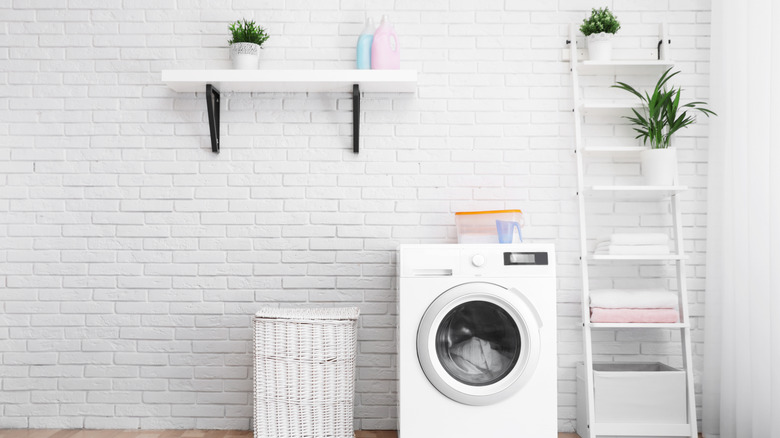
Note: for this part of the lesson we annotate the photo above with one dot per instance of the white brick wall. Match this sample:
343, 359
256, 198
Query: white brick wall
132, 256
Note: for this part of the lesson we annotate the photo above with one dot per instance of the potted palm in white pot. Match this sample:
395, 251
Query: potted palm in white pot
662, 116
599, 29
245, 45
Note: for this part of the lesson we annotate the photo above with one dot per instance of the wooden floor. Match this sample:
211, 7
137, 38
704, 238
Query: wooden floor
81, 433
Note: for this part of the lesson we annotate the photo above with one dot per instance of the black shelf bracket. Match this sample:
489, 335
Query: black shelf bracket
356, 118
212, 105
660, 43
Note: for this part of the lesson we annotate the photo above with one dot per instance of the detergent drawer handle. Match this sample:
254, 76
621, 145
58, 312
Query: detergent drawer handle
432, 272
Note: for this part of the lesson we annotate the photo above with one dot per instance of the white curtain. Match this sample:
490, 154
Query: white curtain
741, 376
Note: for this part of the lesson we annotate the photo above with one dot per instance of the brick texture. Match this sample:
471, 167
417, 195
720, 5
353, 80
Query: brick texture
132, 257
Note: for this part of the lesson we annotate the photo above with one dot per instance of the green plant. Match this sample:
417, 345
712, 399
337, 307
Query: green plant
661, 120
247, 32
600, 20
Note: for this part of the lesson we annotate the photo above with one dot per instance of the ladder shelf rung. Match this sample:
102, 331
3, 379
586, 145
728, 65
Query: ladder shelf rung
609, 107
650, 66
637, 257
634, 192
637, 325
614, 149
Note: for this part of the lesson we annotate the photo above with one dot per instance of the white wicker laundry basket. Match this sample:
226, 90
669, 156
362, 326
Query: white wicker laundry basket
304, 372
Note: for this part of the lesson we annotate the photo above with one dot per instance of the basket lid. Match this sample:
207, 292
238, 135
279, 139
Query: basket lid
315, 313
488, 212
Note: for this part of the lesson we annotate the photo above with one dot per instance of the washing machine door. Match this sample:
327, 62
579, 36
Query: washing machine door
478, 343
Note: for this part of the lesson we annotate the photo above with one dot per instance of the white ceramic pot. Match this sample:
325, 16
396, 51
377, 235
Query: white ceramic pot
600, 46
245, 56
659, 166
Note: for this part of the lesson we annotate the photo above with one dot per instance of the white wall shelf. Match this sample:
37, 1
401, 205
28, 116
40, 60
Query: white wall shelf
288, 81
292, 81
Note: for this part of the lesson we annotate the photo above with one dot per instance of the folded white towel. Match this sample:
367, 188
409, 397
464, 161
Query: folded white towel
633, 299
633, 249
637, 239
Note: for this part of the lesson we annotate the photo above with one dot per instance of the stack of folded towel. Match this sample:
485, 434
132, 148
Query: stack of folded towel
633, 306
633, 244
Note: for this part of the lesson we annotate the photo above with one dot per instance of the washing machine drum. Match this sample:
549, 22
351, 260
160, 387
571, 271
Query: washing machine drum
478, 343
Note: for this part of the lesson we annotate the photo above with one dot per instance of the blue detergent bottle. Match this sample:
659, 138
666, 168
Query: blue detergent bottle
365, 40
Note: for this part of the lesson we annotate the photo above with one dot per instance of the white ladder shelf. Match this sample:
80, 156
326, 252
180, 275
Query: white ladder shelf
596, 429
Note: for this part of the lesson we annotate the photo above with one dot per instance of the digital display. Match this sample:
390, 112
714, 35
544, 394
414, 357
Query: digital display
521, 257
525, 258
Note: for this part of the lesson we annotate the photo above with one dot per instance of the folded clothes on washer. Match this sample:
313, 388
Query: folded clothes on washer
477, 356
598, 314
633, 299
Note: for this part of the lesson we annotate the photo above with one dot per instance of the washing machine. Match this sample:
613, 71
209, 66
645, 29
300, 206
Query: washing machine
477, 341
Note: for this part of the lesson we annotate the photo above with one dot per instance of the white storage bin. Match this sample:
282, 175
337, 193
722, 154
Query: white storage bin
644, 392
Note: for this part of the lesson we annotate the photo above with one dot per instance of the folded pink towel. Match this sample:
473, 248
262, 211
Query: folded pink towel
599, 314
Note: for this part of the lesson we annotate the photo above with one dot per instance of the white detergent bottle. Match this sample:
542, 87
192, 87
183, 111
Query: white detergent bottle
385, 50
365, 40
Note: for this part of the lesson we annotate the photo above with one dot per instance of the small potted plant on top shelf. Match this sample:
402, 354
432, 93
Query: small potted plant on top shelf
599, 29
248, 39
663, 115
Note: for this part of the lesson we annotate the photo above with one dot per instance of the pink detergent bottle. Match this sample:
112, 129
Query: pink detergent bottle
385, 52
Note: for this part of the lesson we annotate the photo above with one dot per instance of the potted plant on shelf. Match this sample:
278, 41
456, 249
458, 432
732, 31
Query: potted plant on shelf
599, 29
663, 115
248, 39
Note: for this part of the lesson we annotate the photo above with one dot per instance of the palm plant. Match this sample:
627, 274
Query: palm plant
660, 119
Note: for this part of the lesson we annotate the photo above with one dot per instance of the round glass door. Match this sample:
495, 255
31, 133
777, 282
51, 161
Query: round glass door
478, 343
